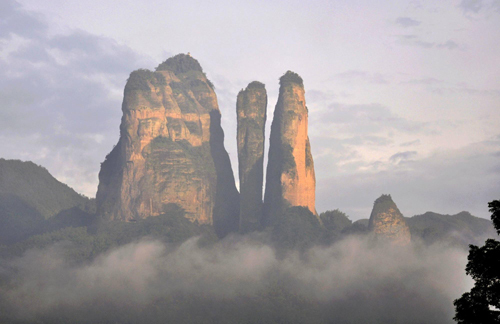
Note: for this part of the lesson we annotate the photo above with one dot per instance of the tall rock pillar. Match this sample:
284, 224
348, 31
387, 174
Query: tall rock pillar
170, 150
251, 113
290, 179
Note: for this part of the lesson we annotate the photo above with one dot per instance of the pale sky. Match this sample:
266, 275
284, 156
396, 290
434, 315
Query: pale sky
403, 96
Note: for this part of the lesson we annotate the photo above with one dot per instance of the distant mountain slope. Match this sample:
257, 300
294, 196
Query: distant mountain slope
37, 188
461, 229
30, 198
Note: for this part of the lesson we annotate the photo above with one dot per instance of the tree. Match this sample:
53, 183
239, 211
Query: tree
482, 304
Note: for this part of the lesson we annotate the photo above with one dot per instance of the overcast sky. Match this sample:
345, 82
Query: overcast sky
403, 96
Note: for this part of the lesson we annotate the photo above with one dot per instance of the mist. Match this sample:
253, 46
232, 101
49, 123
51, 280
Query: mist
239, 280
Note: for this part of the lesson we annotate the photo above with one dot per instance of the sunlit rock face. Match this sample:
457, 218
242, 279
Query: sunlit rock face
170, 150
387, 223
290, 179
251, 108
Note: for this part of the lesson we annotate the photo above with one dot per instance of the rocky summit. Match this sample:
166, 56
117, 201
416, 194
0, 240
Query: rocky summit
387, 223
251, 108
290, 178
170, 151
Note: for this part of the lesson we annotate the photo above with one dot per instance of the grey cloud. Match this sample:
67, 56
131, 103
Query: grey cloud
424, 81
471, 5
60, 86
407, 22
414, 40
410, 143
496, 5
451, 45
15, 20
402, 156
476, 7
463, 88
446, 88
363, 119
446, 182
351, 281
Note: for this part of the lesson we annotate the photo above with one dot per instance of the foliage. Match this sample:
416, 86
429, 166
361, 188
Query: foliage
383, 203
431, 227
141, 81
359, 227
291, 77
184, 99
309, 157
36, 188
289, 164
256, 85
138, 80
180, 63
482, 304
335, 220
82, 243
297, 228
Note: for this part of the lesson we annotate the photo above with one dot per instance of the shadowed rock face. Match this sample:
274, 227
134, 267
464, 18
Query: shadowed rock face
251, 113
290, 179
170, 150
387, 222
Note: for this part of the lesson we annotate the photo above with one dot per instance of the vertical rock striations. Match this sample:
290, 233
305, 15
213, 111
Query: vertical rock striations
387, 222
170, 150
290, 179
251, 113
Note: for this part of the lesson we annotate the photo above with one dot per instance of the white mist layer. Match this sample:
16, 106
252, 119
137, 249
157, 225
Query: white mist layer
351, 281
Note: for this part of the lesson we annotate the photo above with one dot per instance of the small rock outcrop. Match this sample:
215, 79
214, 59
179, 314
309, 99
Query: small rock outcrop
387, 223
170, 150
290, 178
251, 108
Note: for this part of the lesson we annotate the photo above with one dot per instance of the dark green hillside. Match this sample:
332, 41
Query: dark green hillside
460, 229
35, 186
30, 198
83, 243
335, 220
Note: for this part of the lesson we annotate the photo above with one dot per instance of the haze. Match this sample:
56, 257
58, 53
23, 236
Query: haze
403, 96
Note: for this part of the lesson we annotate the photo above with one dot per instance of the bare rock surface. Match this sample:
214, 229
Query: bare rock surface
251, 108
387, 223
170, 150
290, 179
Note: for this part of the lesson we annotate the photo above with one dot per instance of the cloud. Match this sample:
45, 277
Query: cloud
15, 20
471, 5
363, 119
351, 281
424, 81
476, 7
451, 45
410, 143
446, 181
407, 22
402, 157
414, 40
60, 96
449, 88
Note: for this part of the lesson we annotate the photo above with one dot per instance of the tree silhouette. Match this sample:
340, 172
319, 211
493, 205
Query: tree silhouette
482, 304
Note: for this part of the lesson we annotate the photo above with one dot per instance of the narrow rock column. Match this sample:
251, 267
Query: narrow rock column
290, 178
251, 113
